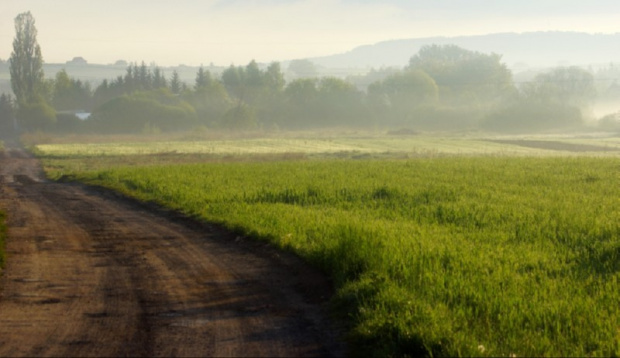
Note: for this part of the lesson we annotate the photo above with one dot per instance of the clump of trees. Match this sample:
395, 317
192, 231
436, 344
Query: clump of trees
147, 111
554, 99
442, 88
241, 98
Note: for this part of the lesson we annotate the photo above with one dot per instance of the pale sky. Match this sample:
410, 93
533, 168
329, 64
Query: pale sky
194, 32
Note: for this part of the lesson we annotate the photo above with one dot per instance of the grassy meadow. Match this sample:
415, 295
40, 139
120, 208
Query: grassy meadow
445, 252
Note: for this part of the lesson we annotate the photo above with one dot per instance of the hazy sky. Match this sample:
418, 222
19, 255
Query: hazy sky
191, 32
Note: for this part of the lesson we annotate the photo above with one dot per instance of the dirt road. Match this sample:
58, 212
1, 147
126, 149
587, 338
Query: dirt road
92, 274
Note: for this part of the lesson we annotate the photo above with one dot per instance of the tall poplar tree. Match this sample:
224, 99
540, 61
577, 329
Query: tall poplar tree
26, 62
26, 67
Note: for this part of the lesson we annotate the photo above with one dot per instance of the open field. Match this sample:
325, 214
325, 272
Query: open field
482, 253
352, 145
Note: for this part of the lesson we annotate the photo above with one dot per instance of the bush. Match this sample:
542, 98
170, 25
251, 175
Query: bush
240, 117
155, 109
67, 122
36, 116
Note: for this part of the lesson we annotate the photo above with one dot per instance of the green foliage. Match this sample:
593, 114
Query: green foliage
68, 123
130, 113
274, 78
302, 92
325, 102
26, 62
566, 86
241, 117
451, 256
554, 100
203, 79
415, 87
137, 79
258, 89
7, 113
233, 79
526, 116
251, 84
37, 115
176, 86
463, 75
400, 98
444, 88
210, 100
71, 94
339, 103
27, 78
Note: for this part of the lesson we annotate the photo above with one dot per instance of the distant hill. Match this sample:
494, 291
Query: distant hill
522, 52
525, 50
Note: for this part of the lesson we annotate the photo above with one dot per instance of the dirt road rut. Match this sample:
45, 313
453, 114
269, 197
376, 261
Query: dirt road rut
92, 274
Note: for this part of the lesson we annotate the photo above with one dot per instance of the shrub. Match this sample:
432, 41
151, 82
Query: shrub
36, 116
240, 117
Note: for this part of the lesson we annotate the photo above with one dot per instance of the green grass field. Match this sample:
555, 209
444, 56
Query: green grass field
473, 254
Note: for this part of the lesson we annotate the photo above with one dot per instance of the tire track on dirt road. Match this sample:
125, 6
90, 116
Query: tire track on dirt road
90, 273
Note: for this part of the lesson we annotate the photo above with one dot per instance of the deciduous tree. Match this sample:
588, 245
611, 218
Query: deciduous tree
27, 77
26, 62
464, 75
572, 86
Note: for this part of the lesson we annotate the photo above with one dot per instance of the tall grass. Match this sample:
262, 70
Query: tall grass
447, 256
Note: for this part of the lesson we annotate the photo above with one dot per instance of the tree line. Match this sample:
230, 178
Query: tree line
442, 88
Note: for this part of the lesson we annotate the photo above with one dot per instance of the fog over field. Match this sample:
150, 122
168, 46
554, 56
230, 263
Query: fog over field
510, 67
